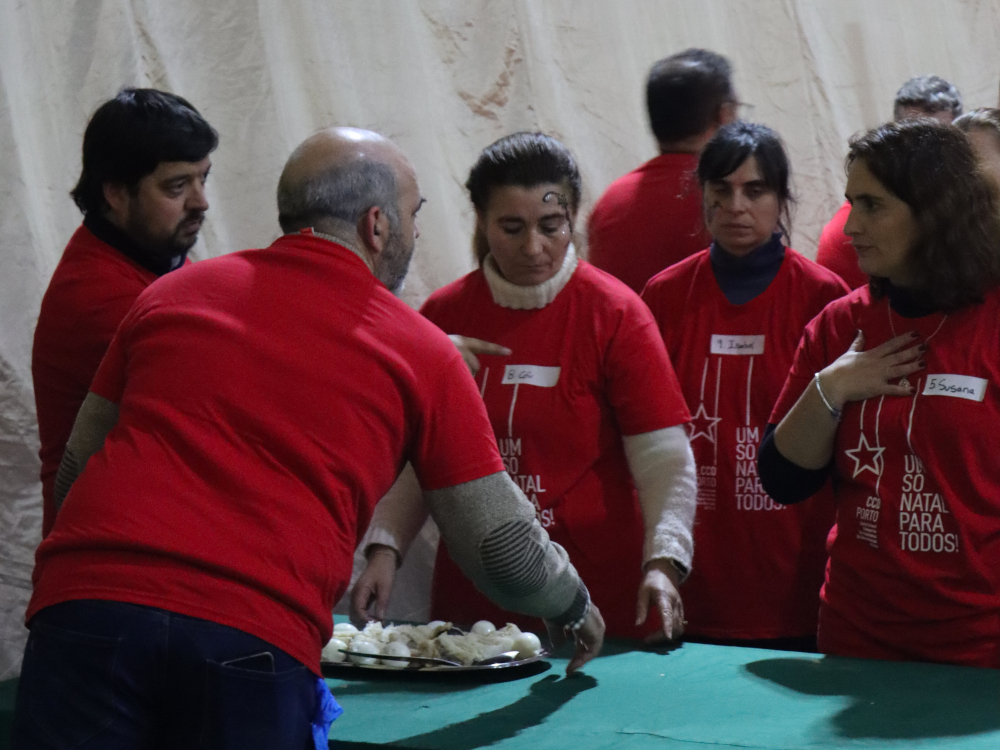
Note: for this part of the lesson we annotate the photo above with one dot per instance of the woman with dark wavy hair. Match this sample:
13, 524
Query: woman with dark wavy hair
894, 392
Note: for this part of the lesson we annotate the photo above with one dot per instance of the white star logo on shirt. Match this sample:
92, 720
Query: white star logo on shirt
703, 425
866, 457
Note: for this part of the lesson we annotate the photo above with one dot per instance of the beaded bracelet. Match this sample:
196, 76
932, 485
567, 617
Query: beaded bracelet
834, 412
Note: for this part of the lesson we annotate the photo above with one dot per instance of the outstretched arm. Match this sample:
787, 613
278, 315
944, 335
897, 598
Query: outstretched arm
663, 471
493, 536
397, 520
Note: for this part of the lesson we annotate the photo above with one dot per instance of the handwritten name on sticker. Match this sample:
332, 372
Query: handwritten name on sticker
748, 346
543, 377
956, 386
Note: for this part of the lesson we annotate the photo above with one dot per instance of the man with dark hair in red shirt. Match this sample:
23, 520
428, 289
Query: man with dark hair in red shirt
651, 218
142, 193
249, 413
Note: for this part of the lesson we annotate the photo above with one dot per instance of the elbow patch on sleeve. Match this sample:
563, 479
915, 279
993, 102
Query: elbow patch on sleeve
69, 470
513, 560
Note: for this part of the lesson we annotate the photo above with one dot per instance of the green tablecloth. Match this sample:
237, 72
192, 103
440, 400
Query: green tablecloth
689, 697
692, 696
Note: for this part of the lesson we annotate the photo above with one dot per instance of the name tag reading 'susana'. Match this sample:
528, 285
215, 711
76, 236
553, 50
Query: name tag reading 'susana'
748, 346
543, 377
956, 386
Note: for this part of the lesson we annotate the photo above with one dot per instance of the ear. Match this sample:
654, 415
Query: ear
727, 113
373, 229
116, 195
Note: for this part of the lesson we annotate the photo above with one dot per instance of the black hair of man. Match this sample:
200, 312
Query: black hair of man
130, 135
930, 94
684, 93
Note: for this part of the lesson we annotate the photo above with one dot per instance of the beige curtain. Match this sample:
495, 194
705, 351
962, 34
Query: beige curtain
444, 78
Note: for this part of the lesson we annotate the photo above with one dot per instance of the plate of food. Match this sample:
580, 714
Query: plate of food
432, 649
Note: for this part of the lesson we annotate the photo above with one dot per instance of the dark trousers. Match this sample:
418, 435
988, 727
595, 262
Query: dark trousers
110, 675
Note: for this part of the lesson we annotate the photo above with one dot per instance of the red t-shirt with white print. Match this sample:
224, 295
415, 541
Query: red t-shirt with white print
758, 564
586, 369
914, 566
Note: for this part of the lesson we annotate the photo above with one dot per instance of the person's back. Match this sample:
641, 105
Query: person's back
300, 378
647, 220
651, 218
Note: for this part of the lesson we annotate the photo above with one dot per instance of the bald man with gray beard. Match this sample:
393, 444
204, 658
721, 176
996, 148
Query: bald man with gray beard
250, 412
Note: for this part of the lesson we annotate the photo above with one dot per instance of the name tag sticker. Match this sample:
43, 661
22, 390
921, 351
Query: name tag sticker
956, 386
748, 346
543, 377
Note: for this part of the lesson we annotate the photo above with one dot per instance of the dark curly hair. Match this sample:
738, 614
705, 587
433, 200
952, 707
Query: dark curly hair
932, 168
733, 144
524, 159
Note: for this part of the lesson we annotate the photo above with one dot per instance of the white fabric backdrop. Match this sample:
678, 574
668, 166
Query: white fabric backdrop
444, 78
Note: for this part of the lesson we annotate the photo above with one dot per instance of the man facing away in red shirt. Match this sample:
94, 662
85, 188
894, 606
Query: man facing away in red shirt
650, 218
142, 193
250, 411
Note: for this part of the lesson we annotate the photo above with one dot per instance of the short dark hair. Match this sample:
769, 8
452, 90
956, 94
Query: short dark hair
931, 167
736, 142
524, 159
345, 193
128, 136
929, 93
684, 93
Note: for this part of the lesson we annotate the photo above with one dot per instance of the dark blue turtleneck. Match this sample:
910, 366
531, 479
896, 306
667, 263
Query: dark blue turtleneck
744, 278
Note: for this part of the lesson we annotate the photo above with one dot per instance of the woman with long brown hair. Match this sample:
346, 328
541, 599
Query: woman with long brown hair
894, 393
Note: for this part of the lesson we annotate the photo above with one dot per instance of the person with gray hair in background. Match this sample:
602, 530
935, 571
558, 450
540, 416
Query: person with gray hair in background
982, 126
927, 96
921, 96
249, 413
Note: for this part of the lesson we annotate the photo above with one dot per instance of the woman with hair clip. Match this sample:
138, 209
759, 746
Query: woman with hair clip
586, 408
731, 317
983, 128
894, 394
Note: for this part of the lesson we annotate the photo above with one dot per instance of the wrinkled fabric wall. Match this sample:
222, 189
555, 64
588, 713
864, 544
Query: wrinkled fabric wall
443, 78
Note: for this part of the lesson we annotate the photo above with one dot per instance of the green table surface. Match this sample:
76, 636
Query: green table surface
693, 696
689, 697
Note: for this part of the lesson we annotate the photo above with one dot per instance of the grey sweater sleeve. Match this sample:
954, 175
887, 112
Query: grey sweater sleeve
96, 418
493, 536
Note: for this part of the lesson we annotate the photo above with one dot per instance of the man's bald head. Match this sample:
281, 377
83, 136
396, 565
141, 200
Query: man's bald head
338, 174
359, 187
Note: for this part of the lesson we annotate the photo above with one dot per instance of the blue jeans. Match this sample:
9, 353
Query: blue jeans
111, 675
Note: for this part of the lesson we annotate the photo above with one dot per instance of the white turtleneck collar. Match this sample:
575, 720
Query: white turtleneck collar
535, 297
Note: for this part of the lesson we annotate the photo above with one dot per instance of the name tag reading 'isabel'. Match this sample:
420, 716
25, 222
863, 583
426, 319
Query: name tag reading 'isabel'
543, 377
956, 386
748, 346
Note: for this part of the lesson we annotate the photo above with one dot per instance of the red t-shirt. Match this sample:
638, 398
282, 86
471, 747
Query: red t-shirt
586, 369
836, 252
648, 220
268, 399
92, 288
913, 569
758, 565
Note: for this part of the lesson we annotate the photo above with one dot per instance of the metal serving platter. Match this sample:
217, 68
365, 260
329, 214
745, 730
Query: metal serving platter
348, 668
